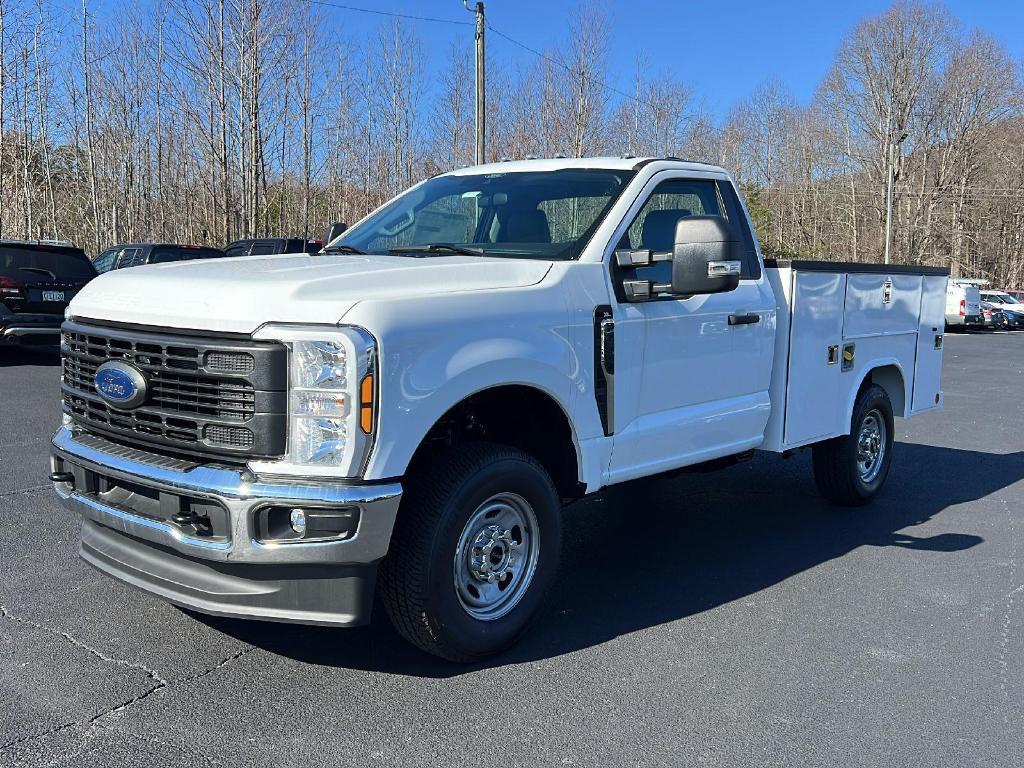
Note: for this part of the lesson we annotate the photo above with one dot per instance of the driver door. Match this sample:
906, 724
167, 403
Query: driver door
700, 390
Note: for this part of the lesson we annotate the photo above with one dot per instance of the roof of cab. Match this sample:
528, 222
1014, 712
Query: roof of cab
624, 163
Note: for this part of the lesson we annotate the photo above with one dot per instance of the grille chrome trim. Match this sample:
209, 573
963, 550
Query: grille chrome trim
238, 387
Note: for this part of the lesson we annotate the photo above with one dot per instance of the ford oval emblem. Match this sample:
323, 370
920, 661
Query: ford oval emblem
120, 384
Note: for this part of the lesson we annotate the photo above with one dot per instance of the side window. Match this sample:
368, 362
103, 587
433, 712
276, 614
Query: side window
654, 227
166, 255
105, 261
129, 257
263, 249
738, 224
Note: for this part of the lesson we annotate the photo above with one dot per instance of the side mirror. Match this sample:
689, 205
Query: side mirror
704, 257
703, 261
335, 230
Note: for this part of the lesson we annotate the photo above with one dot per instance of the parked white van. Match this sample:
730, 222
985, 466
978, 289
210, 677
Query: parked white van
963, 304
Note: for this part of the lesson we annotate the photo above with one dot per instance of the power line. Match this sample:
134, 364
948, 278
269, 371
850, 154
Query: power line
590, 78
390, 13
603, 83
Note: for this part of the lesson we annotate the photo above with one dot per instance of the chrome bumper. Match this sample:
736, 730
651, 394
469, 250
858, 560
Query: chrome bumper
329, 582
236, 490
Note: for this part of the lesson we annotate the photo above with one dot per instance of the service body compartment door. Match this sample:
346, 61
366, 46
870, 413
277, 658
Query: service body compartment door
816, 337
928, 366
878, 304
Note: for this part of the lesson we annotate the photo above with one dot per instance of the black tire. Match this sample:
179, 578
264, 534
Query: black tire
418, 576
837, 472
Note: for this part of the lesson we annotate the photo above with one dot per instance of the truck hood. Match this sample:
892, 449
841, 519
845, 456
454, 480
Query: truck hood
241, 294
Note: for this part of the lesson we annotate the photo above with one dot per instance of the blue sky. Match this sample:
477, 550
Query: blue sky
723, 49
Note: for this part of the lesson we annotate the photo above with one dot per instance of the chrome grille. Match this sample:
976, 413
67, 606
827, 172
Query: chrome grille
207, 396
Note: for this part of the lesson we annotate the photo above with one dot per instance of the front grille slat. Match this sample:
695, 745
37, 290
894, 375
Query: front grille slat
199, 394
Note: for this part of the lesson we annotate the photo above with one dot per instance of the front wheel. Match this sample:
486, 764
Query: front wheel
850, 470
475, 549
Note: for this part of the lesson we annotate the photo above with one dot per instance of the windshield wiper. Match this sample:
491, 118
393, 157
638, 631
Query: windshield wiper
342, 248
437, 248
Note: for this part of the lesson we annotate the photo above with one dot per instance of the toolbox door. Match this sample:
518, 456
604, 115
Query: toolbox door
928, 365
813, 408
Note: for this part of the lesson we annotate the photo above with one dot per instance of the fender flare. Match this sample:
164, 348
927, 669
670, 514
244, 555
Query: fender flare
872, 366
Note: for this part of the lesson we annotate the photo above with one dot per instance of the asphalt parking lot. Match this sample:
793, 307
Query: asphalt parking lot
726, 619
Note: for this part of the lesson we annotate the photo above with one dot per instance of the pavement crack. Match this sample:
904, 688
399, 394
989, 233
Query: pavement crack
30, 489
222, 663
35, 736
148, 671
94, 723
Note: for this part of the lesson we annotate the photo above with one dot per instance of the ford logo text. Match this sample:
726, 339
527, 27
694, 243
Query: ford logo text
120, 384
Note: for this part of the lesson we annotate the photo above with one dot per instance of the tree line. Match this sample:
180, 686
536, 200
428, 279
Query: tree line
210, 120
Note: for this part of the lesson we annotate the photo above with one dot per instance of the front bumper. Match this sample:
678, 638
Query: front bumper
128, 500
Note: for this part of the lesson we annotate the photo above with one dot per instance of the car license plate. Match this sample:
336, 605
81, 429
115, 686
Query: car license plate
53, 295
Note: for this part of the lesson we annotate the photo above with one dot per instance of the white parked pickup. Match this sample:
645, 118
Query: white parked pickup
406, 412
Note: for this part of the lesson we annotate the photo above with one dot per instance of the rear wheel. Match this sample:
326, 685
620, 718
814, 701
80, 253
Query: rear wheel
474, 552
850, 470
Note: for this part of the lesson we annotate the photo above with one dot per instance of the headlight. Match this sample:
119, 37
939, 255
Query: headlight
332, 393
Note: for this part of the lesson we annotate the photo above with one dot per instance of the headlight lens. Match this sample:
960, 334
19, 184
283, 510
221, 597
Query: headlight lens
331, 400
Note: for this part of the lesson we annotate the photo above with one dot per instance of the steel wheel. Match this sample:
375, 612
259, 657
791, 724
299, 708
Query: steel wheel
496, 556
871, 444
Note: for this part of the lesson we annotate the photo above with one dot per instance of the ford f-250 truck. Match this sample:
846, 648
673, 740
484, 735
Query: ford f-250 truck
405, 414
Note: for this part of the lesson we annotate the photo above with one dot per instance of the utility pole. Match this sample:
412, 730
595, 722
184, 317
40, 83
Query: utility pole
888, 206
890, 182
481, 105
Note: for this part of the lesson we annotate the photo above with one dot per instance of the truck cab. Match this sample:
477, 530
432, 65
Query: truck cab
403, 415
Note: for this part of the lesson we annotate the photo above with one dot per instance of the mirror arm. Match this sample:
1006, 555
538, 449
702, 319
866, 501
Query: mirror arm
641, 257
637, 290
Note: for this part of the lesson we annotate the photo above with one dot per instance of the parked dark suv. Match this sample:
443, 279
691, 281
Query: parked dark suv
37, 280
267, 246
137, 254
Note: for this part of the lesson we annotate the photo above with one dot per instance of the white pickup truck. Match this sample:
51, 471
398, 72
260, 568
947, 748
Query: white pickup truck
405, 414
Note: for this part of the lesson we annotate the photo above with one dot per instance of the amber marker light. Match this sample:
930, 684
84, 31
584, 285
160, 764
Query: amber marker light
366, 404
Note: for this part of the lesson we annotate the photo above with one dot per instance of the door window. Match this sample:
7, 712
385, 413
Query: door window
130, 257
654, 227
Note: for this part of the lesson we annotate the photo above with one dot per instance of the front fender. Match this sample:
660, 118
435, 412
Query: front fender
425, 374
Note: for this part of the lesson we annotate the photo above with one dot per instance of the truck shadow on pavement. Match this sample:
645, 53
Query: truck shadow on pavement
643, 554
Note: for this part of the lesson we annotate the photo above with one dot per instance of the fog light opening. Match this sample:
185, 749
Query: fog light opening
297, 520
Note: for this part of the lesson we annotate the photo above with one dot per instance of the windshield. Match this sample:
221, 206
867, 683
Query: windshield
541, 215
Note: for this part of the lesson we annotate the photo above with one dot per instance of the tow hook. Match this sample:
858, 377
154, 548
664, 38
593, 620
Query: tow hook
201, 524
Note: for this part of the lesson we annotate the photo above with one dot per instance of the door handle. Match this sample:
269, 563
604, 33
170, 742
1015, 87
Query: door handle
747, 318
